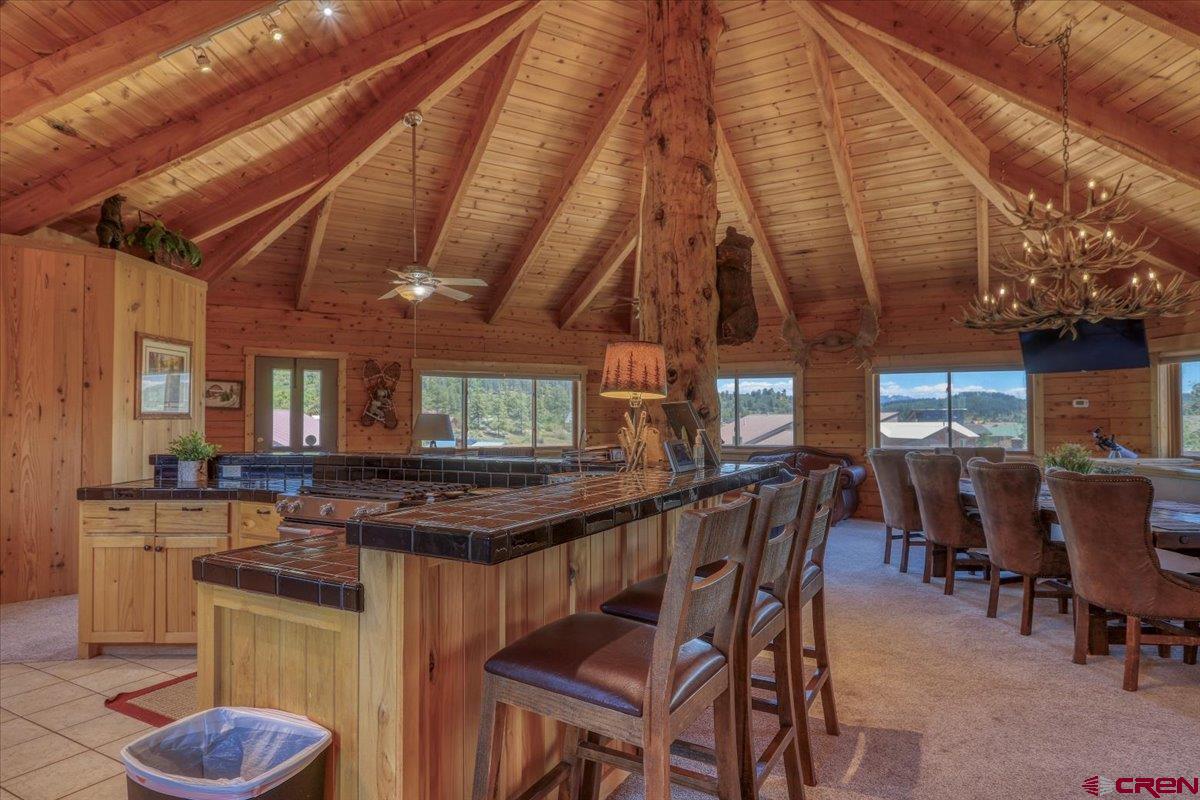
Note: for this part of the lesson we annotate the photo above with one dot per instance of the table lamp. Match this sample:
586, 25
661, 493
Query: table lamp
634, 371
432, 427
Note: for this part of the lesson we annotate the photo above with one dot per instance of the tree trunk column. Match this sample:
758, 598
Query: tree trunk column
677, 285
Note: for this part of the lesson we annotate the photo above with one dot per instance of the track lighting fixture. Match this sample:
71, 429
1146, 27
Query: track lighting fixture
273, 28
203, 62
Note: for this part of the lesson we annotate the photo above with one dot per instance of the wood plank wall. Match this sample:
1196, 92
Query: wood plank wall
70, 312
917, 320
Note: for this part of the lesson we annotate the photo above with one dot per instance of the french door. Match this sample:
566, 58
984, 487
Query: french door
295, 404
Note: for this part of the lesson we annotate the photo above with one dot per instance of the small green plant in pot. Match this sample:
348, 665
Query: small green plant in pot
192, 451
1071, 457
165, 246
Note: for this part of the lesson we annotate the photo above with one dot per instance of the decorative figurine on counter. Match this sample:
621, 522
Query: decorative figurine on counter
381, 383
110, 230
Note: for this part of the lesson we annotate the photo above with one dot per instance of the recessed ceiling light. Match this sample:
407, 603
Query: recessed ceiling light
327, 9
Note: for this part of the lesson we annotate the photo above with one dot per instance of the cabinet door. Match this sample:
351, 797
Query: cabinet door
174, 589
116, 588
257, 524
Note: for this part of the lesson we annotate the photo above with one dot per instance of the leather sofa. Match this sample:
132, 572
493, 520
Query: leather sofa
802, 460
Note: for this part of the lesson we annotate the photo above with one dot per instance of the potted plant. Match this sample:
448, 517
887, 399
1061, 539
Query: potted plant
1071, 457
192, 451
165, 246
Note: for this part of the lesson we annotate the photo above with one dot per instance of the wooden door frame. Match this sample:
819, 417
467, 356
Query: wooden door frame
249, 354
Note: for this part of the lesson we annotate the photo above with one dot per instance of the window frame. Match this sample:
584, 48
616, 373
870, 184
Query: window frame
464, 370
765, 369
948, 365
1169, 404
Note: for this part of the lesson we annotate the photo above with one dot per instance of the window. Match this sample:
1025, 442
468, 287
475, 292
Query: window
953, 408
757, 411
302, 412
1189, 407
504, 410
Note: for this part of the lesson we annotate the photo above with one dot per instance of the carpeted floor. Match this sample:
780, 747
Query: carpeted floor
937, 701
39, 630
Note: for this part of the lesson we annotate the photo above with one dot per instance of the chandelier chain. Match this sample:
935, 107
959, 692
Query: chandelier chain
1061, 40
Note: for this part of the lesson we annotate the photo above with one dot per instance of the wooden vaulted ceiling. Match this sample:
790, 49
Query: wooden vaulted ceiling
863, 145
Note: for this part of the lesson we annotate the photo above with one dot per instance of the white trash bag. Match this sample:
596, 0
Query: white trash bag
224, 753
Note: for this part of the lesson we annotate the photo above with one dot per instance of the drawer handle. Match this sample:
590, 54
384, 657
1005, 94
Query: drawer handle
146, 547
262, 512
192, 508
118, 508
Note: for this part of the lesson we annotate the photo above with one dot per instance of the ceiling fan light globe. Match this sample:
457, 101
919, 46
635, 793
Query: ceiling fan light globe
415, 292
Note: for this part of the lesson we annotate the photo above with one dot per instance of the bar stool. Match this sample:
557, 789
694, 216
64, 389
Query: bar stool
624, 680
642, 601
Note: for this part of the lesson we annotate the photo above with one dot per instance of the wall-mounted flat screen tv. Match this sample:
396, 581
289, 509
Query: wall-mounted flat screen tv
1108, 344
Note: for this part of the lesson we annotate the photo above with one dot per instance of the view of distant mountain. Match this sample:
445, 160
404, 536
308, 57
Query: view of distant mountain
994, 406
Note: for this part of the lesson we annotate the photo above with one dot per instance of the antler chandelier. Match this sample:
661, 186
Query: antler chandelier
1056, 277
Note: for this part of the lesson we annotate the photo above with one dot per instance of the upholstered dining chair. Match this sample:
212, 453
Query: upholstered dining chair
1017, 538
995, 455
1106, 522
900, 511
945, 521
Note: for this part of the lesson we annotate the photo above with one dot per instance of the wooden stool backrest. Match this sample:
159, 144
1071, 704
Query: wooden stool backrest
773, 537
693, 605
824, 487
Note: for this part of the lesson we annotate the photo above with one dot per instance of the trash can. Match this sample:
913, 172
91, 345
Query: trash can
230, 754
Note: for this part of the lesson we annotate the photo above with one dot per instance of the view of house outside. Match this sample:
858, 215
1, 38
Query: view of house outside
985, 408
757, 411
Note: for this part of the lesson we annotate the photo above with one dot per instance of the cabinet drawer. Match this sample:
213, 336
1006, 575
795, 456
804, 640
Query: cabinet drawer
192, 517
109, 516
258, 521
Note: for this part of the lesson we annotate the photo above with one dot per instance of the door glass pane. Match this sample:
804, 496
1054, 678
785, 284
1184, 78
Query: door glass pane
555, 413
499, 412
912, 409
1189, 427
281, 408
310, 410
765, 411
725, 392
989, 409
443, 395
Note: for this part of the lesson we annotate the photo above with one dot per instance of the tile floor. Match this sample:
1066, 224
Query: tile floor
57, 740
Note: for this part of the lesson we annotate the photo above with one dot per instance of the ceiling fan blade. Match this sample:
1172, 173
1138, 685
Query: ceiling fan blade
453, 294
462, 282
392, 293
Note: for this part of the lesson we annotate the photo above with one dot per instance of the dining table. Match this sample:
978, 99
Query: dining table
1175, 523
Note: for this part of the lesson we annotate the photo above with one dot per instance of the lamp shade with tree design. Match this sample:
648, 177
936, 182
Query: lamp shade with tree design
634, 371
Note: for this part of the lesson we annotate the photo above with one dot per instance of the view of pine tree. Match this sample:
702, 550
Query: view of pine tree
1190, 407
282, 390
995, 406
500, 410
757, 401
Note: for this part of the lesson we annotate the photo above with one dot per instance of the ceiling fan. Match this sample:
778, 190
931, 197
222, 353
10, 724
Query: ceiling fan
417, 282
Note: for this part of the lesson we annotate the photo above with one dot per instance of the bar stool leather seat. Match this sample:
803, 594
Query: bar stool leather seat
641, 602
603, 660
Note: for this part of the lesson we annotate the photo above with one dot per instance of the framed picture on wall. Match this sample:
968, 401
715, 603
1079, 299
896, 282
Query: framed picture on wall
163, 383
223, 394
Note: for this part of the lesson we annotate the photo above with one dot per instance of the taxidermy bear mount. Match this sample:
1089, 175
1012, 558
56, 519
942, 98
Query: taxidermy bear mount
381, 383
110, 230
835, 340
737, 319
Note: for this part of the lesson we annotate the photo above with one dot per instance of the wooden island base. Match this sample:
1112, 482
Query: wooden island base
399, 684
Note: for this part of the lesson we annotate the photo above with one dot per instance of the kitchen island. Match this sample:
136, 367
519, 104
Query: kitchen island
396, 673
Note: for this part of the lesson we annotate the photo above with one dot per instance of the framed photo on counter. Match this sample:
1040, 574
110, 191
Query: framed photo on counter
684, 424
679, 456
163, 384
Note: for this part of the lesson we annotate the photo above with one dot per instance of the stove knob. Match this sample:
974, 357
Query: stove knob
295, 506
359, 512
327, 510
281, 506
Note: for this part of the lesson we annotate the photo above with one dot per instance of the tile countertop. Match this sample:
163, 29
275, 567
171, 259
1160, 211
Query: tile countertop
489, 530
256, 490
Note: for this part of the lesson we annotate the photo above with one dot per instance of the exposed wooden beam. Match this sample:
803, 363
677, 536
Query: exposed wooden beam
1015, 81
983, 242
251, 199
66, 75
419, 86
600, 274
495, 92
1002, 184
776, 281
1179, 19
1165, 252
614, 108
839, 153
312, 252
175, 142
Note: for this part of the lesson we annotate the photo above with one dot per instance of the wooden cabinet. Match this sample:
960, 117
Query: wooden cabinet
174, 589
257, 523
135, 582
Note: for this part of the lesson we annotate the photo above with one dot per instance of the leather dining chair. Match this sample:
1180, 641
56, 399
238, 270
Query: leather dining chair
900, 509
995, 455
1106, 522
945, 521
1017, 538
